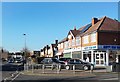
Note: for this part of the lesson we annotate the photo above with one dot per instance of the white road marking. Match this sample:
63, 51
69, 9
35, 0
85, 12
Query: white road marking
111, 79
15, 77
12, 75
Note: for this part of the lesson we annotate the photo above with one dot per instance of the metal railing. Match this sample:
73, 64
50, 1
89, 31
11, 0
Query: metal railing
50, 68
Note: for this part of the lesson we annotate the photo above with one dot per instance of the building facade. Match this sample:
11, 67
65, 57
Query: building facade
49, 50
97, 42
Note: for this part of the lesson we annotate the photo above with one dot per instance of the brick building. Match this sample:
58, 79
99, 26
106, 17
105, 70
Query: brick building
98, 41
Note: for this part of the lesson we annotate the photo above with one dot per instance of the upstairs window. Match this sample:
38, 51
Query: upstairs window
85, 39
66, 44
73, 42
77, 40
93, 37
62, 45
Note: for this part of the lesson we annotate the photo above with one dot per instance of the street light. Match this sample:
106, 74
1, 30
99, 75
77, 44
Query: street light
25, 40
24, 46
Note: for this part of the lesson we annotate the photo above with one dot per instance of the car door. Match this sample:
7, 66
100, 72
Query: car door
78, 64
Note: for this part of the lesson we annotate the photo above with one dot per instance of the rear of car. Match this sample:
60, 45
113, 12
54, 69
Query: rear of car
81, 65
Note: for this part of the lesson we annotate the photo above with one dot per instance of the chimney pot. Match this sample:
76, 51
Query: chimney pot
74, 27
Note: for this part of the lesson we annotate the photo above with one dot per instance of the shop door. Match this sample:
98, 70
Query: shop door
100, 58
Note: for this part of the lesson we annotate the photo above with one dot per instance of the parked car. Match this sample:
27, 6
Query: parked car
65, 60
18, 60
10, 60
52, 63
79, 64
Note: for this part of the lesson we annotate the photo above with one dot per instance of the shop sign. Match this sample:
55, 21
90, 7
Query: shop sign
90, 47
113, 47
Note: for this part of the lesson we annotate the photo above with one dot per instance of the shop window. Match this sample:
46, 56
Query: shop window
112, 56
87, 56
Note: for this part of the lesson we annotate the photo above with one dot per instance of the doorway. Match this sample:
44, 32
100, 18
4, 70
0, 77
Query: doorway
100, 58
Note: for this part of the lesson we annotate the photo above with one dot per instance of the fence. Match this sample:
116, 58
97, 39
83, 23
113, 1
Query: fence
50, 68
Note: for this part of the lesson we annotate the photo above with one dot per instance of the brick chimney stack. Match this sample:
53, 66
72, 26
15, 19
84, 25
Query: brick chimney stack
74, 27
94, 21
56, 41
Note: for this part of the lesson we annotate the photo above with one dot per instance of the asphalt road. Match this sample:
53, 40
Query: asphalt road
95, 77
8, 70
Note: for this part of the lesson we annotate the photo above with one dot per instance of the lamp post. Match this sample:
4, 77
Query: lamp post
24, 47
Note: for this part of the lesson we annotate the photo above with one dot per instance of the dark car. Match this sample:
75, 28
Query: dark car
65, 60
52, 62
10, 61
79, 64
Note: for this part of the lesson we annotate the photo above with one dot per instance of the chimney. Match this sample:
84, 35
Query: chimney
94, 20
56, 41
74, 27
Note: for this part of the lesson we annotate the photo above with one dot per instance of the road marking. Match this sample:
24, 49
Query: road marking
12, 75
111, 79
15, 77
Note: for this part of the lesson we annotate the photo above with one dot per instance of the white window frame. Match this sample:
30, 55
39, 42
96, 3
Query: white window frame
77, 41
66, 44
62, 45
93, 37
73, 42
85, 39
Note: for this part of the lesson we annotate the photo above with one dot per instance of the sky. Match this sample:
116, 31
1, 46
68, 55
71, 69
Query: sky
44, 22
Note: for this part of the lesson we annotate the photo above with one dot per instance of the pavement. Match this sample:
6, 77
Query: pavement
97, 75
68, 75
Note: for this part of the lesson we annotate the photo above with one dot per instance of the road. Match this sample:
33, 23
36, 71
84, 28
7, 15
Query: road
9, 70
82, 77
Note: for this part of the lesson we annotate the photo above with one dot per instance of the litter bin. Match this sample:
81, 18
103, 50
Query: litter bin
115, 67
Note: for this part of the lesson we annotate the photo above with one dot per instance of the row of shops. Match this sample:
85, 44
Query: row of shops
103, 51
98, 56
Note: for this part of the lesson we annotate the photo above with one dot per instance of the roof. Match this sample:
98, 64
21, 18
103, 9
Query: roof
75, 32
104, 24
63, 40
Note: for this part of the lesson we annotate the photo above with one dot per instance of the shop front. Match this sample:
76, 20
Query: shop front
72, 53
100, 55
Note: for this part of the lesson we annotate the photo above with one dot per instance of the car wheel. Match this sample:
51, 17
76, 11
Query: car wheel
85, 68
67, 67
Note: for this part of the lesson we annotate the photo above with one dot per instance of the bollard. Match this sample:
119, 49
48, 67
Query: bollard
91, 69
24, 67
58, 69
32, 68
43, 68
27, 67
73, 68
52, 67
